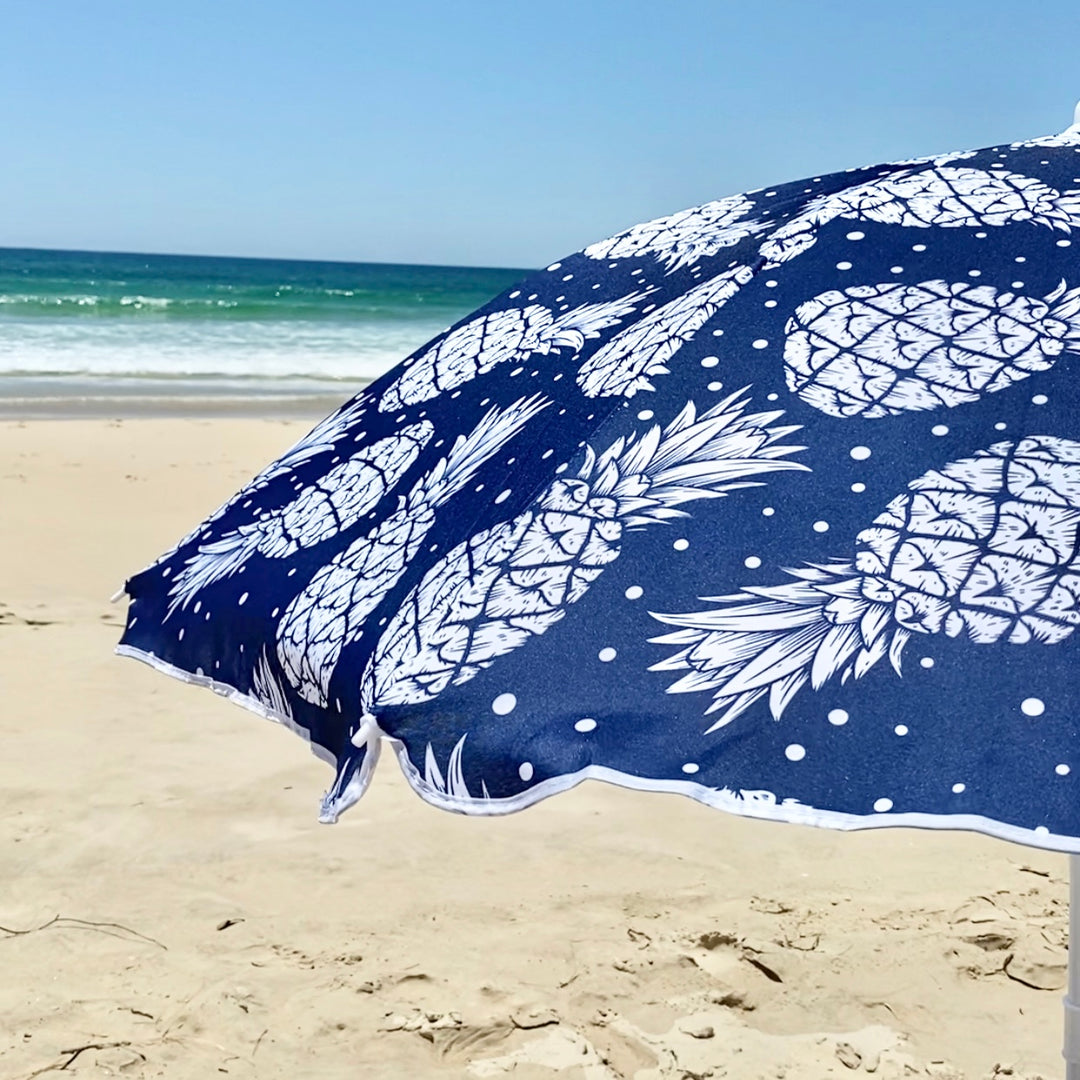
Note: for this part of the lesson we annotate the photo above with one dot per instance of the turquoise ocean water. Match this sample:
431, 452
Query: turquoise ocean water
97, 326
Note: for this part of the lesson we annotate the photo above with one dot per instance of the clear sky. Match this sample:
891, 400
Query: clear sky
482, 132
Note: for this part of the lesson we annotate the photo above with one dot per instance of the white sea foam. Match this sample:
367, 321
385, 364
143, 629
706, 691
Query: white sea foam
249, 349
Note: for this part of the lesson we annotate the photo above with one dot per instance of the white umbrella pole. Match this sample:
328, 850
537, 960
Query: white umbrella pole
1071, 1052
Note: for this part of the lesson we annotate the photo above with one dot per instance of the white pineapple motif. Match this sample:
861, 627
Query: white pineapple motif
986, 547
328, 506
330, 612
623, 366
682, 239
1069, 137
940, 197
881, 350
269, 692
513, 581
499, 338
322, 437
453, 784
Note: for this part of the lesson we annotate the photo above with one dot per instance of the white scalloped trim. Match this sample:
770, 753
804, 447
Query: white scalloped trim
762, 809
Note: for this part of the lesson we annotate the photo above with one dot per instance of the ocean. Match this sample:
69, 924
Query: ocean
80, 330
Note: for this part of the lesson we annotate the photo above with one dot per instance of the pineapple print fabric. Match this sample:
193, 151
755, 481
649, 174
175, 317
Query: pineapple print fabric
773, 502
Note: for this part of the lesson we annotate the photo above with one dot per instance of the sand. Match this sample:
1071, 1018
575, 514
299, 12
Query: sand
171, 908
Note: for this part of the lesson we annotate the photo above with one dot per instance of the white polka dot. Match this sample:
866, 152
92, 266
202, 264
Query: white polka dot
896, 269
982, 235
243, 598
999, 426
858, 487
958, 789
939, 429
860, 453
1017, 284
974, 273
525, 771
1061, 770
635, 592
710, 361
585, 725
1020, 259
567, 277
714, 386
772, 397
718, 333
751, 562
901, 729
821, 526
927, 662
843, 266
770, 303
771, 283
1039, 399
1032, 706
690, 768
606, 655
795, 752
1064, 243
681, 544
918, 247
503, 496
838, 717
180, 636
503, 704
882, 806
554, 266
761, 343
856, 235
768, 511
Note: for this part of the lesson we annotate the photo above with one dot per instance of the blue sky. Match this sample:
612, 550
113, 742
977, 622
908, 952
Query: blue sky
476, 132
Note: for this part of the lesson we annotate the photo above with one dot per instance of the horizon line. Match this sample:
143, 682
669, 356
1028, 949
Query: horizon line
260, 258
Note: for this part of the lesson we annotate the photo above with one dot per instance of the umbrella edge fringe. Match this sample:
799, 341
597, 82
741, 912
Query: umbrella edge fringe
720, 799
225, 690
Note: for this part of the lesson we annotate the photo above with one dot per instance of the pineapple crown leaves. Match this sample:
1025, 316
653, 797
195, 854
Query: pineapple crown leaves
267, 690
623, 364
683, 238
1065, 305
775, 639
453, 784
470, 452
692, 458
573, 328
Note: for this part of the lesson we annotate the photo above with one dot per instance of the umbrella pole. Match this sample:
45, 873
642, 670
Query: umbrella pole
1071, 1051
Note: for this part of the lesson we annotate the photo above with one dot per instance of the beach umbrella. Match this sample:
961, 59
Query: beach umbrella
773, 502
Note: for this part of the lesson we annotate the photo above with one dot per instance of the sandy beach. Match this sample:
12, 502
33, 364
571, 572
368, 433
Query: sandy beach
169, 906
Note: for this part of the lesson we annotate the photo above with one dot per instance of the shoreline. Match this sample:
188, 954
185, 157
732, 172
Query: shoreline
63, 398
171, 407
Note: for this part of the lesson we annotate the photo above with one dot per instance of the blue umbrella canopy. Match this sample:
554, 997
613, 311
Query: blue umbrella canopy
773, 502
